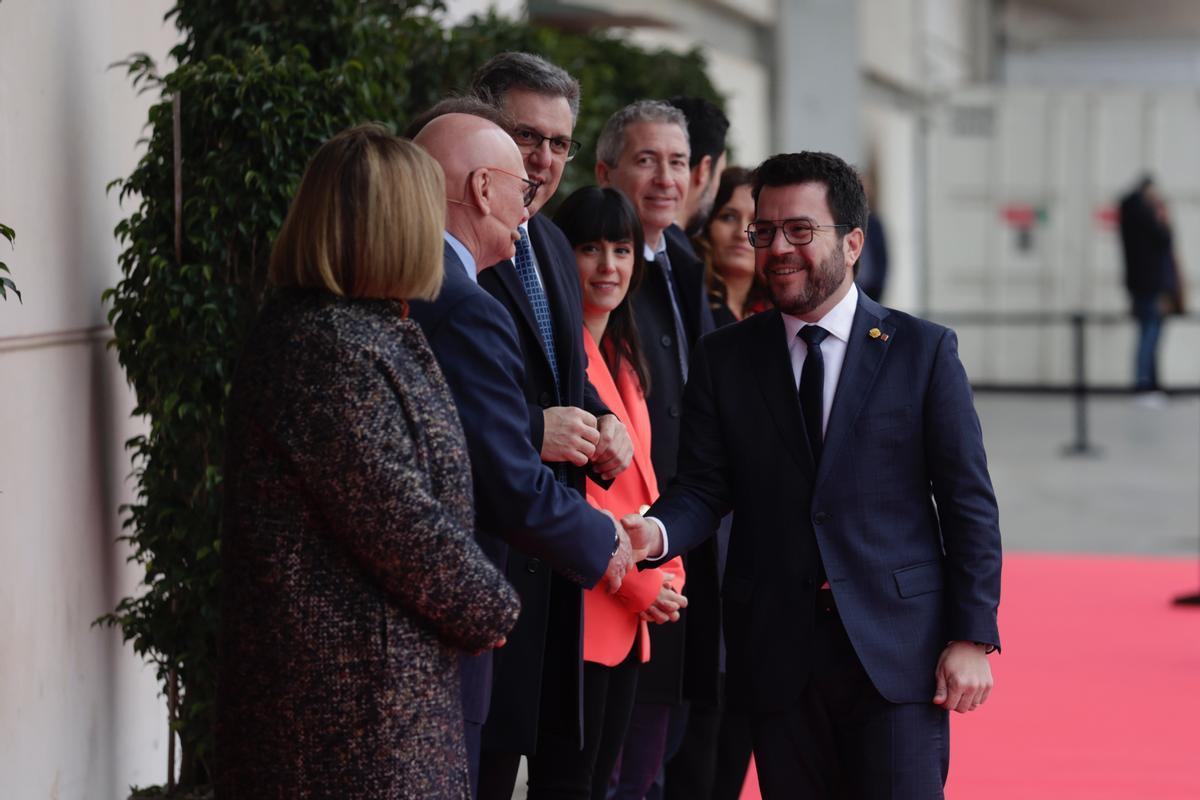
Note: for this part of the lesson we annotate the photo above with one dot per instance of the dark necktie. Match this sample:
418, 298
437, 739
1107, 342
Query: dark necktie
680, 337
537, 300
812, 387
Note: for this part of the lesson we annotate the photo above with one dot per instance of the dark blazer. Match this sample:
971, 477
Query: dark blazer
351, 579
550, 631
517, 500
902, 436
1146, 246
661, 680
560, 279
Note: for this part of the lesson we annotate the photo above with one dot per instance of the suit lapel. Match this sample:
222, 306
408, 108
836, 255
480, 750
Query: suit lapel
773, 368
506, 273
690, 297
864, 355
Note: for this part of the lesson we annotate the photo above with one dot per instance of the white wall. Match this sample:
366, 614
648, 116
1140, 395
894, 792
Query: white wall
1151, 64
1070, 154
80, 715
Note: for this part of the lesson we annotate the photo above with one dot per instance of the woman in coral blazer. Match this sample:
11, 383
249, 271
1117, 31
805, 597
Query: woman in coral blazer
603, 229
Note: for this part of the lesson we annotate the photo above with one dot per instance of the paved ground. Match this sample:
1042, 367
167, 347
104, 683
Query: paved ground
1141, 494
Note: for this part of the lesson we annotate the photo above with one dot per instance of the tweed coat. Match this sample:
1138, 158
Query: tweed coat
352, 580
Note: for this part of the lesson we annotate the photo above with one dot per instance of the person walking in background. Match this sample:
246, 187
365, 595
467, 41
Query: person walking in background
606, 236
1150, 274
351, 578
862, 585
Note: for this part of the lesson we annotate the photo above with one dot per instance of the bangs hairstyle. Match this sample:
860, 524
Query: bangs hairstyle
593, 214
366, 221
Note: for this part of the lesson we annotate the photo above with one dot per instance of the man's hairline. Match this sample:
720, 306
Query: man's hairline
841, 233
502, 100
625, 137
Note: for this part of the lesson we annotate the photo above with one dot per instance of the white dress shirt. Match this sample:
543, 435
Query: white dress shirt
833, 350
838, 322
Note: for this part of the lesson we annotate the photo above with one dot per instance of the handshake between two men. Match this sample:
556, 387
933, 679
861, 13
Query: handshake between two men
638, 537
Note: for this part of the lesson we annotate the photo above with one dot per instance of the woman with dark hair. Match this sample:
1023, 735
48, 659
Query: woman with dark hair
734, 290
351, 577
604, 231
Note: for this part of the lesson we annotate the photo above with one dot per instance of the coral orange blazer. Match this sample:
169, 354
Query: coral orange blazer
610, 621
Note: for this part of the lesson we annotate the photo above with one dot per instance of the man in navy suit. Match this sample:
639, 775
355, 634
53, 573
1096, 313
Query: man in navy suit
518, 502
863, 578
644, 151
539, 674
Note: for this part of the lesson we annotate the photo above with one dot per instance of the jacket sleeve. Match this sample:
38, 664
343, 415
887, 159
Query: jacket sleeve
349, 437
966, 502
699, 495
517, 497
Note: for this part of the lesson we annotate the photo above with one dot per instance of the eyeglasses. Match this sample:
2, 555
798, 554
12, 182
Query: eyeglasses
529, 140
796, 231
531, 187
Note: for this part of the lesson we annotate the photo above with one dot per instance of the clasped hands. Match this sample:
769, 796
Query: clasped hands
572, 434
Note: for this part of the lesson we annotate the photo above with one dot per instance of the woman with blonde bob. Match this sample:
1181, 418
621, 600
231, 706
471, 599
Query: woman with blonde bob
352, 581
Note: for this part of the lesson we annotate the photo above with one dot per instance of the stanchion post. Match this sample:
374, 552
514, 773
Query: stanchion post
1081, 446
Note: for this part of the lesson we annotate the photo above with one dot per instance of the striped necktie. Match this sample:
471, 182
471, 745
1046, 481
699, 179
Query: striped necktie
537, 300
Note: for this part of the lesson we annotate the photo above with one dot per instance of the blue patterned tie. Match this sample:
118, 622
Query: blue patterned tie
537, 299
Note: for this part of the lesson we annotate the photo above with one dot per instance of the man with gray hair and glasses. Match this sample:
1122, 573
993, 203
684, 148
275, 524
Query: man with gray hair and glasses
538, 676
644, 152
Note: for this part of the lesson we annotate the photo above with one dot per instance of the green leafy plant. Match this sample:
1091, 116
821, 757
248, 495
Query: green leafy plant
6, 283
258, 86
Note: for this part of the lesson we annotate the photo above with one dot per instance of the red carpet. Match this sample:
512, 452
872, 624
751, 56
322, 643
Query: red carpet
1098, 689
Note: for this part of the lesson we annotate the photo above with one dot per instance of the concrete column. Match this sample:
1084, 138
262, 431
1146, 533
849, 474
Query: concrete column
817, 82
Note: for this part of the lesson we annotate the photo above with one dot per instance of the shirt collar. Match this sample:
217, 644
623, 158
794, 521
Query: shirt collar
463, 254
838, 321
652, 252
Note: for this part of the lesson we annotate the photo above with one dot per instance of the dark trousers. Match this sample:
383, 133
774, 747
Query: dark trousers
712, 760
560, 771
843, 740
1150, 324
643, 752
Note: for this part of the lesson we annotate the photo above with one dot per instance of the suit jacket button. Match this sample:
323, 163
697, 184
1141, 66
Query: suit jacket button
665, 340
544, 400
820, 518
533, 565
673, 411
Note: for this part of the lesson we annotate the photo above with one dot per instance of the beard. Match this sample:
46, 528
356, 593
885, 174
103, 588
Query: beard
823, 280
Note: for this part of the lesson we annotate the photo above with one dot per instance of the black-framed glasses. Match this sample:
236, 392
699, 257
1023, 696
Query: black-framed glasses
529, 140
531, 187
761, 232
